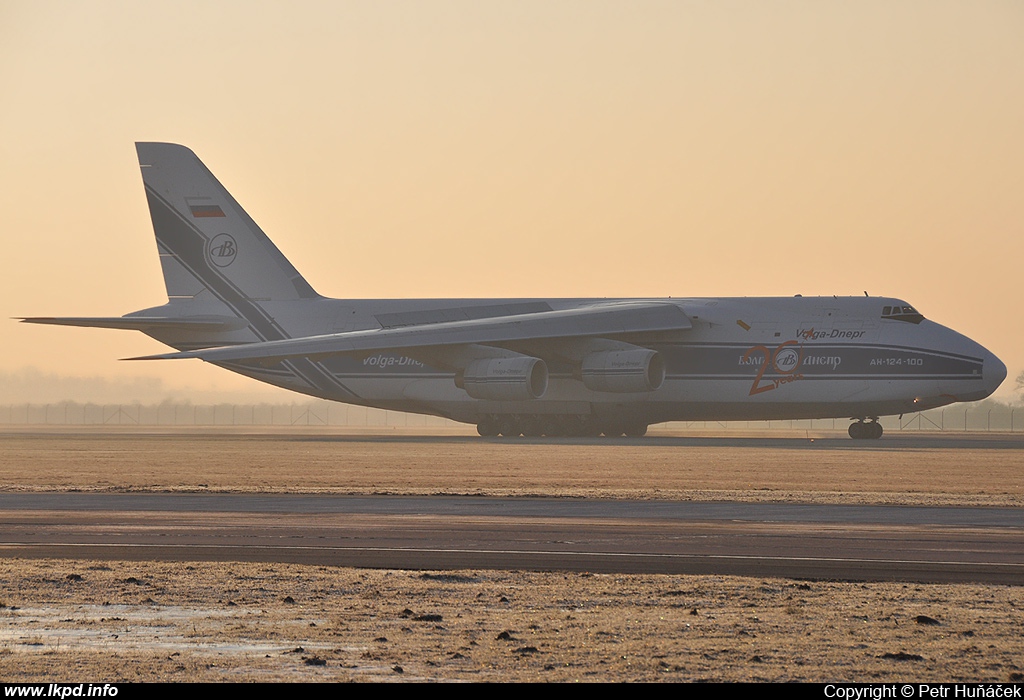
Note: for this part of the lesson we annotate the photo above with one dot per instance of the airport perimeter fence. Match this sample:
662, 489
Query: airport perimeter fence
989, 416
169, 414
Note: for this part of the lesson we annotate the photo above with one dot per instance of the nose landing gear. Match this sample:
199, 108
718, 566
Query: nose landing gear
870, 430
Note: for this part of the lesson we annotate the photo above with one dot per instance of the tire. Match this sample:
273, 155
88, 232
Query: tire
636, 431
551, 427
507, 427
866, 431
531, 426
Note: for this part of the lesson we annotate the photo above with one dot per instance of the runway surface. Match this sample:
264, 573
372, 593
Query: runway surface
844, 542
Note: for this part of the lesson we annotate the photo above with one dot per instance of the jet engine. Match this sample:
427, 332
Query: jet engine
505, 378
623, 371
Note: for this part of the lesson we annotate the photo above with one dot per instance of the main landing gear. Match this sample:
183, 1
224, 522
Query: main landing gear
861, 430
557, 426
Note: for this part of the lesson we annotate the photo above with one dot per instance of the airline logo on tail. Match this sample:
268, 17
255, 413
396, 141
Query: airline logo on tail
222, 250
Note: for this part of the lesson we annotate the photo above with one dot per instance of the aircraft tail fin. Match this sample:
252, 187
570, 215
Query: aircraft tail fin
208, 245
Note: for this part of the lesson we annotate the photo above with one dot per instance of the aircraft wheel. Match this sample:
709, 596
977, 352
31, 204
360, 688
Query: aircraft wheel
509, 428
636, 431
584, 426
570, 426
865, 431
551, 427
487, 427
531, 426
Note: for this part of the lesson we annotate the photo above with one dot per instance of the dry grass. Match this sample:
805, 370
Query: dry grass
826, 470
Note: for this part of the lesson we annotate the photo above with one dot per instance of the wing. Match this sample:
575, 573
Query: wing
617, 319
505, 358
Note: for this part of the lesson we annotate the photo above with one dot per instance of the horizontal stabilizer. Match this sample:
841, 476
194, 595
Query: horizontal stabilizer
143, 323
602, 320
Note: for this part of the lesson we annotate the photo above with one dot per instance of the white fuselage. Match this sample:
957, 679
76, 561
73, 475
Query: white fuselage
743, 359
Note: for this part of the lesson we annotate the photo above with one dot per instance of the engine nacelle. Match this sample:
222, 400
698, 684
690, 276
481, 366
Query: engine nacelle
505, 379
623, 371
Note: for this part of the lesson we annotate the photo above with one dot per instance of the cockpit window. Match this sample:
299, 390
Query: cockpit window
902, 313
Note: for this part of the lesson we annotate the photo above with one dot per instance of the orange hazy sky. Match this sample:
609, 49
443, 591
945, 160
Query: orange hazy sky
491, 149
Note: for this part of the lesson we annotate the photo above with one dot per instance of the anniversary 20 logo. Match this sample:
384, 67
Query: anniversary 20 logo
222, 250
785, 360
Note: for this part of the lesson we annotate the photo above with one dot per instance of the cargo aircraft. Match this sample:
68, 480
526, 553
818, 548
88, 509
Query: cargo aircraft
553, 367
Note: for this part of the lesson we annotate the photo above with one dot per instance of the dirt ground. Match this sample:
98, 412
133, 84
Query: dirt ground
78, 621
93, 621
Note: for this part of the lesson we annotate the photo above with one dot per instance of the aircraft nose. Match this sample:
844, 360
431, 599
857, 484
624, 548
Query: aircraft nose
993, 372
